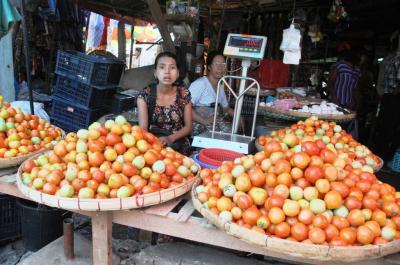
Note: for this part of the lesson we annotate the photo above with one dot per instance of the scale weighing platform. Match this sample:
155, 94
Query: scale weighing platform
234, 142
246, 48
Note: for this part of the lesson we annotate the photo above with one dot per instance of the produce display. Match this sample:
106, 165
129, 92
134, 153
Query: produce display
113, 160
323, 108
305, 135
305, 189
286, 95
22, 134
292, 104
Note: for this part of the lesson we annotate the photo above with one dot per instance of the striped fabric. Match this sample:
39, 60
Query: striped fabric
392, 75
346, 84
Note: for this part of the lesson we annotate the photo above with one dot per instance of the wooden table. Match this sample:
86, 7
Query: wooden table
163, 219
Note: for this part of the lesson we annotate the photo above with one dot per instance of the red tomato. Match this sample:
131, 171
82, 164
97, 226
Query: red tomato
251, 215
244, 201
311, 148
306, 216
353, 203
331, 232
348, 234
364, 235
299, 231
282, 230
356, 217
316, 235
274, 201
328, 156
313, 173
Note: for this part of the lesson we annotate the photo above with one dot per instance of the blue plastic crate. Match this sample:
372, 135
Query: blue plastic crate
395, 164
85, 95
248, 104
71, 117
10, 221
89, 69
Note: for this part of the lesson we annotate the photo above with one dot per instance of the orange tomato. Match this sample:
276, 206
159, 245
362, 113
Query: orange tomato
299, 231
317, 235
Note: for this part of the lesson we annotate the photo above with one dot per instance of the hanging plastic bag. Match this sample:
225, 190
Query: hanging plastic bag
290, 57
37, 106
291, 39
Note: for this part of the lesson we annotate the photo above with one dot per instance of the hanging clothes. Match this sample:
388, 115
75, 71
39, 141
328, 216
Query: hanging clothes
273, 74
95, 31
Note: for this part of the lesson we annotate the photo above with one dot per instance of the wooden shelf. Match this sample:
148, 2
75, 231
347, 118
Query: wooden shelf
177, 18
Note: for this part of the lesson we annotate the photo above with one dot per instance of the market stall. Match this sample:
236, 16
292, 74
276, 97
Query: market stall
305, 191
161, 219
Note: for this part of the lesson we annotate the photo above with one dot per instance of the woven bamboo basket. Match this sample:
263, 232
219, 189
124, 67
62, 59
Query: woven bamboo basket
16, 161
137, 201
259, 147
263, 92
295, 115
296, 249
379, 166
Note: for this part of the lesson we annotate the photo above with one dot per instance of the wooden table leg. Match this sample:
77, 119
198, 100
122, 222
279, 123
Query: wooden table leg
102, 238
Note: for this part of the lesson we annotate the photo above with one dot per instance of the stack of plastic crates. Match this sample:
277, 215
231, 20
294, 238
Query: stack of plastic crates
84, 88
395, 163
10, 223
248, 105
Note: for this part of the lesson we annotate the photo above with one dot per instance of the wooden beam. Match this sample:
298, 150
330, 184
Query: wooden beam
128, 16
102, 238
162, 25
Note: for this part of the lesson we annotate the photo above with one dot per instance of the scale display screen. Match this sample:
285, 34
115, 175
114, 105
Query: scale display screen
245, 46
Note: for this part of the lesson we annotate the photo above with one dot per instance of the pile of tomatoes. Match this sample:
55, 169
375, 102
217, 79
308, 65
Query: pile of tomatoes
312, 195
108, 160
21, 133
324, 133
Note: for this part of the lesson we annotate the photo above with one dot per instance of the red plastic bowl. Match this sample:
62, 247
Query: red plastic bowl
215, 156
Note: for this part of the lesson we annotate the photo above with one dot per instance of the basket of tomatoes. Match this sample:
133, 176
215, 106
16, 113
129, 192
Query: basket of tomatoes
111, 166
299, 137
311, 204
23, 135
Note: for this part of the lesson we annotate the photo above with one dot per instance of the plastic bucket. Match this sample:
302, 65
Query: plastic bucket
202, 164
216, 156
40, 224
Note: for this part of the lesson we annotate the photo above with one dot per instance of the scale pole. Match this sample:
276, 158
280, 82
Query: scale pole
238, 110
27, 56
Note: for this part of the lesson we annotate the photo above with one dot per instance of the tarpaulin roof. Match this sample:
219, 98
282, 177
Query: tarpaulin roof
8, 15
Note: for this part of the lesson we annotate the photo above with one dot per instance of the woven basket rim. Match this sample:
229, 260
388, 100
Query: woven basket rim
111, 204
295, 115
16, 161
297, 249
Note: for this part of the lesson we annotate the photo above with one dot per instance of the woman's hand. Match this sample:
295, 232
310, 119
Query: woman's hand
166, 140
208, 121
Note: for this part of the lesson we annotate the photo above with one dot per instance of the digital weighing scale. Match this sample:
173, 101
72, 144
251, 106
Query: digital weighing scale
246, 48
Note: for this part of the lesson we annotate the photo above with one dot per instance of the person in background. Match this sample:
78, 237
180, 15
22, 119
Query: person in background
204, 93
366, 98
165, 108
343, 83
386, 137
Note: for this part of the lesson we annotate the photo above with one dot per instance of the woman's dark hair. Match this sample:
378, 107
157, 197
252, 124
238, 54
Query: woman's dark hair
211, 55
350, 56
165, 54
